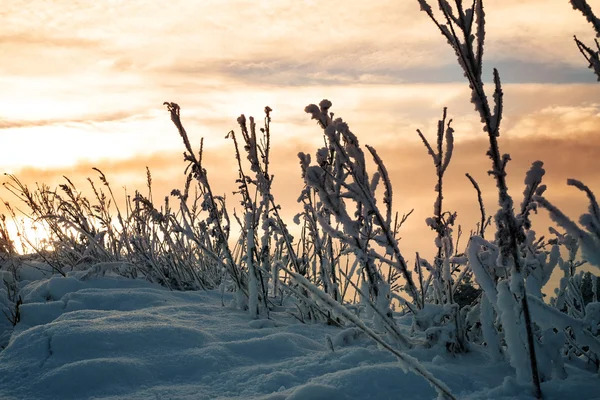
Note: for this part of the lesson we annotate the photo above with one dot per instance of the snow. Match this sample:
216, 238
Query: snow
116, 338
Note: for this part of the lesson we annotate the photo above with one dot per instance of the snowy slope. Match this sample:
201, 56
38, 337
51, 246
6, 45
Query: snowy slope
114, 338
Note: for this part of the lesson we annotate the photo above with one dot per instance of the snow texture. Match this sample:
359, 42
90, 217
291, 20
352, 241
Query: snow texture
114, 338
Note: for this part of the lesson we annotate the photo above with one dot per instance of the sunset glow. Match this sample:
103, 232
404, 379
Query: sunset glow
83, 86
299, 199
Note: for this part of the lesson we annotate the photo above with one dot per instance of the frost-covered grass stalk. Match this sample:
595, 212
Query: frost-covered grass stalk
79, 231
441, 280
442, 221
582, 329
464, 29
368, 231
144, 240
258, 204
591, 56
408, 363
589, 237
252, 278
217, 222
326, 256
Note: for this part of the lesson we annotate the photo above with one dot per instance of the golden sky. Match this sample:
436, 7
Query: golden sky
83, 84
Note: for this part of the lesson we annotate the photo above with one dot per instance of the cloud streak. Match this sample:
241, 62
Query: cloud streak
390, 41
83, 120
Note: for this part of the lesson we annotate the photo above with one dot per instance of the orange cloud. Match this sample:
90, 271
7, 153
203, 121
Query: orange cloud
358, 42
410, 168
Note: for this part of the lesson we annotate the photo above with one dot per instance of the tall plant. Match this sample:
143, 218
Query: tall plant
464, 29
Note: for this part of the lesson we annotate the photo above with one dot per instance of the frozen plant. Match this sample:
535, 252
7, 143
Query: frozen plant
407, 362
367, 231
215, 221
326, 259
589, 236
591, 55
257, 258
464, 29
449, 324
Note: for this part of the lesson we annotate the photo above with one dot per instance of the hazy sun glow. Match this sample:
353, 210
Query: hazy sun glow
27, 236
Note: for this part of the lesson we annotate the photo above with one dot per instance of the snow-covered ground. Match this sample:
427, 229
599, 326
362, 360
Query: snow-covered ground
116, 338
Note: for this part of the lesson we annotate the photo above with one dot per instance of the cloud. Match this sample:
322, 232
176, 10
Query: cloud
356, 65
388, 43
560, 121
85, 120
288, 41
56, 143
35, 39
109, 125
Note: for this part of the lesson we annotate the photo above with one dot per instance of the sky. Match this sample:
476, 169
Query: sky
83, 85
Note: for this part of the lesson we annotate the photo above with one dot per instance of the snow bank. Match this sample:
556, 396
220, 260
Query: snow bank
112, 338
